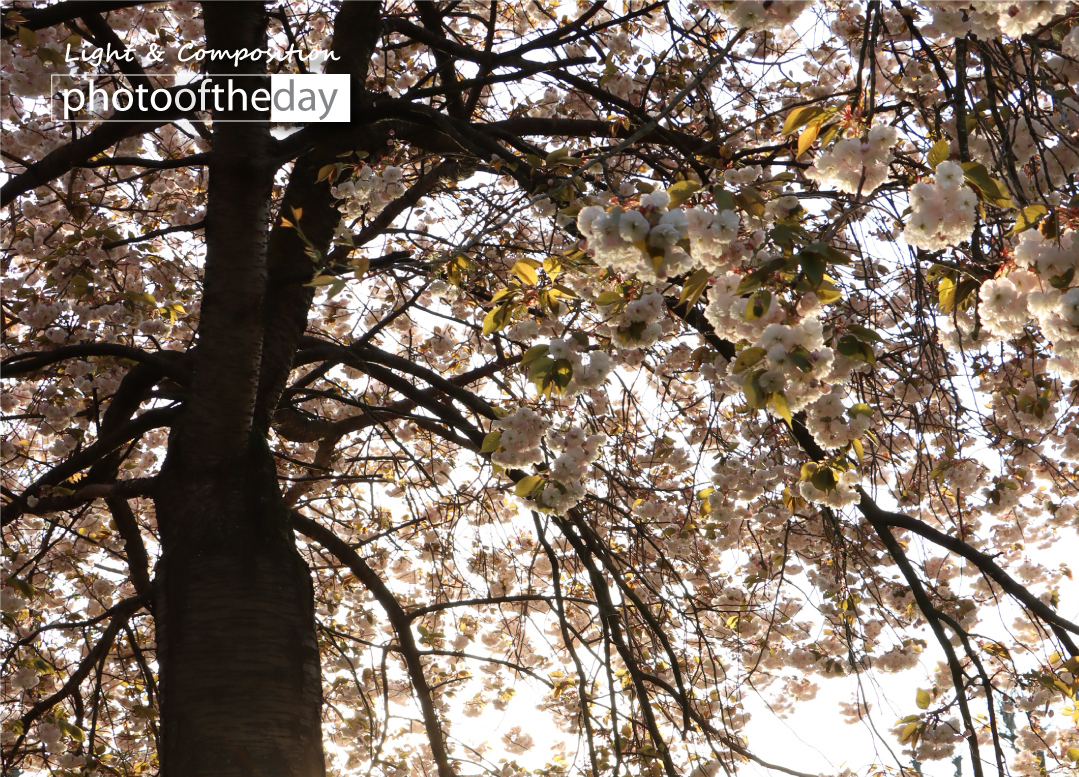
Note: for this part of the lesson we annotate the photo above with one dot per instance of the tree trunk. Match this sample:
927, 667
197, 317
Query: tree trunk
241, 691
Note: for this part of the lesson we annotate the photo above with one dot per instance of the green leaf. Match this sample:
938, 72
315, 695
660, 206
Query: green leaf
800, 117
74, 732
491, 442
1064, 280
609, 298
759, 304
724, 199
541, 369
750, 200
823, 479
562, 373
988, 188
755, 396
783, 235
28, 37
938, 153
694, 287
860, 409
321, 280
557, 156
814, 267
335, 288
324, 172
533, 353
853, 348
747, 357
527, 485
682, 191
922, 699
828, 253
758, 276
908, 732
800, 356
830, 133
864, 334
1028, 217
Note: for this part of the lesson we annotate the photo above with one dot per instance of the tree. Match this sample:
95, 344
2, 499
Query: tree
652, 364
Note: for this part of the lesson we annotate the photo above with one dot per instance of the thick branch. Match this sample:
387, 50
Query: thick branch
400, 621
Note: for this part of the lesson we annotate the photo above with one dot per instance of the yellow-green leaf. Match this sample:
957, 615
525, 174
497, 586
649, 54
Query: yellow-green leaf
324, 172
682, 191
533, 353
1073, 754
946, 295
991, 190
526, 272
321, 280
1028, 217
496, 319
747, 357
806, 138
801, 116
74, 732
908, 731
28, 37
938, 153
922, 698
557, 156
694, 287
527, 485
609, 298
755, 396
779, 403
491, 442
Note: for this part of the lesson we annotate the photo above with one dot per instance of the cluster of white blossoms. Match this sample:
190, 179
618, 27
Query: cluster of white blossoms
942, 212
989, 19
854, 165
1008, 303
625, 241
756, 15
832, 424
1002, 308
935, 741
368, 188
795, 362
638, 325
586, 374
578, 450
726, 310
522, 433
740, 176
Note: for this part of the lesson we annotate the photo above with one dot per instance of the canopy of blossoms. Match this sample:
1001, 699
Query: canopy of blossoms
643, 369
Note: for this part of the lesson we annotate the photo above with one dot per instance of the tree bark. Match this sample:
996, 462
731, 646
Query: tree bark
241, 691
